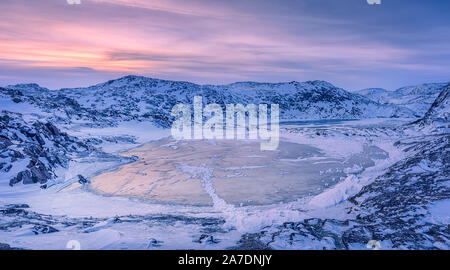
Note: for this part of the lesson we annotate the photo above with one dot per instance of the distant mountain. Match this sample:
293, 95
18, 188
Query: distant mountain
27, 87
141, 98
379, 95
416, 98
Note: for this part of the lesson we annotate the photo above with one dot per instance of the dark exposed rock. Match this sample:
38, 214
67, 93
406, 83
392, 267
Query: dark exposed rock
54, 131
43, 229
23, 176
39, 172
4, 246
251, 242
154, 243
205, 238
22, 205
13, 211
82, 180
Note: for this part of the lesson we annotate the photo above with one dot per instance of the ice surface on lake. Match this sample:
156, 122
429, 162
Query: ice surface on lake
234, 172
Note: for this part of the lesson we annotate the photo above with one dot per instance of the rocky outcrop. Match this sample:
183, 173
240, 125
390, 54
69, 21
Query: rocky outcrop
30, 151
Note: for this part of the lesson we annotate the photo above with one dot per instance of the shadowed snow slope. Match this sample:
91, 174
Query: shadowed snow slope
437, 118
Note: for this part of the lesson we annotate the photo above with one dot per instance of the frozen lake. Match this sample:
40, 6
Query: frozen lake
203, 172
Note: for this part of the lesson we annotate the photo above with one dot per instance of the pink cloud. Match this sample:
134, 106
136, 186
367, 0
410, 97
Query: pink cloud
204, 39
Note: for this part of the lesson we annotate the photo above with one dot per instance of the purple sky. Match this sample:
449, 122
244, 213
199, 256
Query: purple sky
346, 42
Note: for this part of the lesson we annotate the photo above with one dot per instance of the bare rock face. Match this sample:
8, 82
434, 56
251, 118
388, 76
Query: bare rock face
23, 176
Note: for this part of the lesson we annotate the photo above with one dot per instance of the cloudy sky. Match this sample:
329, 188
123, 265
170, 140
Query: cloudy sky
346, 42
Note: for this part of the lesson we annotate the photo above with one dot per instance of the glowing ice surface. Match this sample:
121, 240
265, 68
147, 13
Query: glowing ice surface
227, 171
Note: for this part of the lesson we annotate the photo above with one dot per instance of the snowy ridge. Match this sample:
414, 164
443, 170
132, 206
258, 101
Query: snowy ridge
147, 99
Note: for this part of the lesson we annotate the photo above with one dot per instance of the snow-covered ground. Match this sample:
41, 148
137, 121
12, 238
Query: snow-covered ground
100, 221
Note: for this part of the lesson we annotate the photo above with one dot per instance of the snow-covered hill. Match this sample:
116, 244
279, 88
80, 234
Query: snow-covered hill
416, 98
141, 98
379, 95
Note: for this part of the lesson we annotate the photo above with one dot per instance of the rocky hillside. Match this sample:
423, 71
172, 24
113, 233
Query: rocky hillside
31, 151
